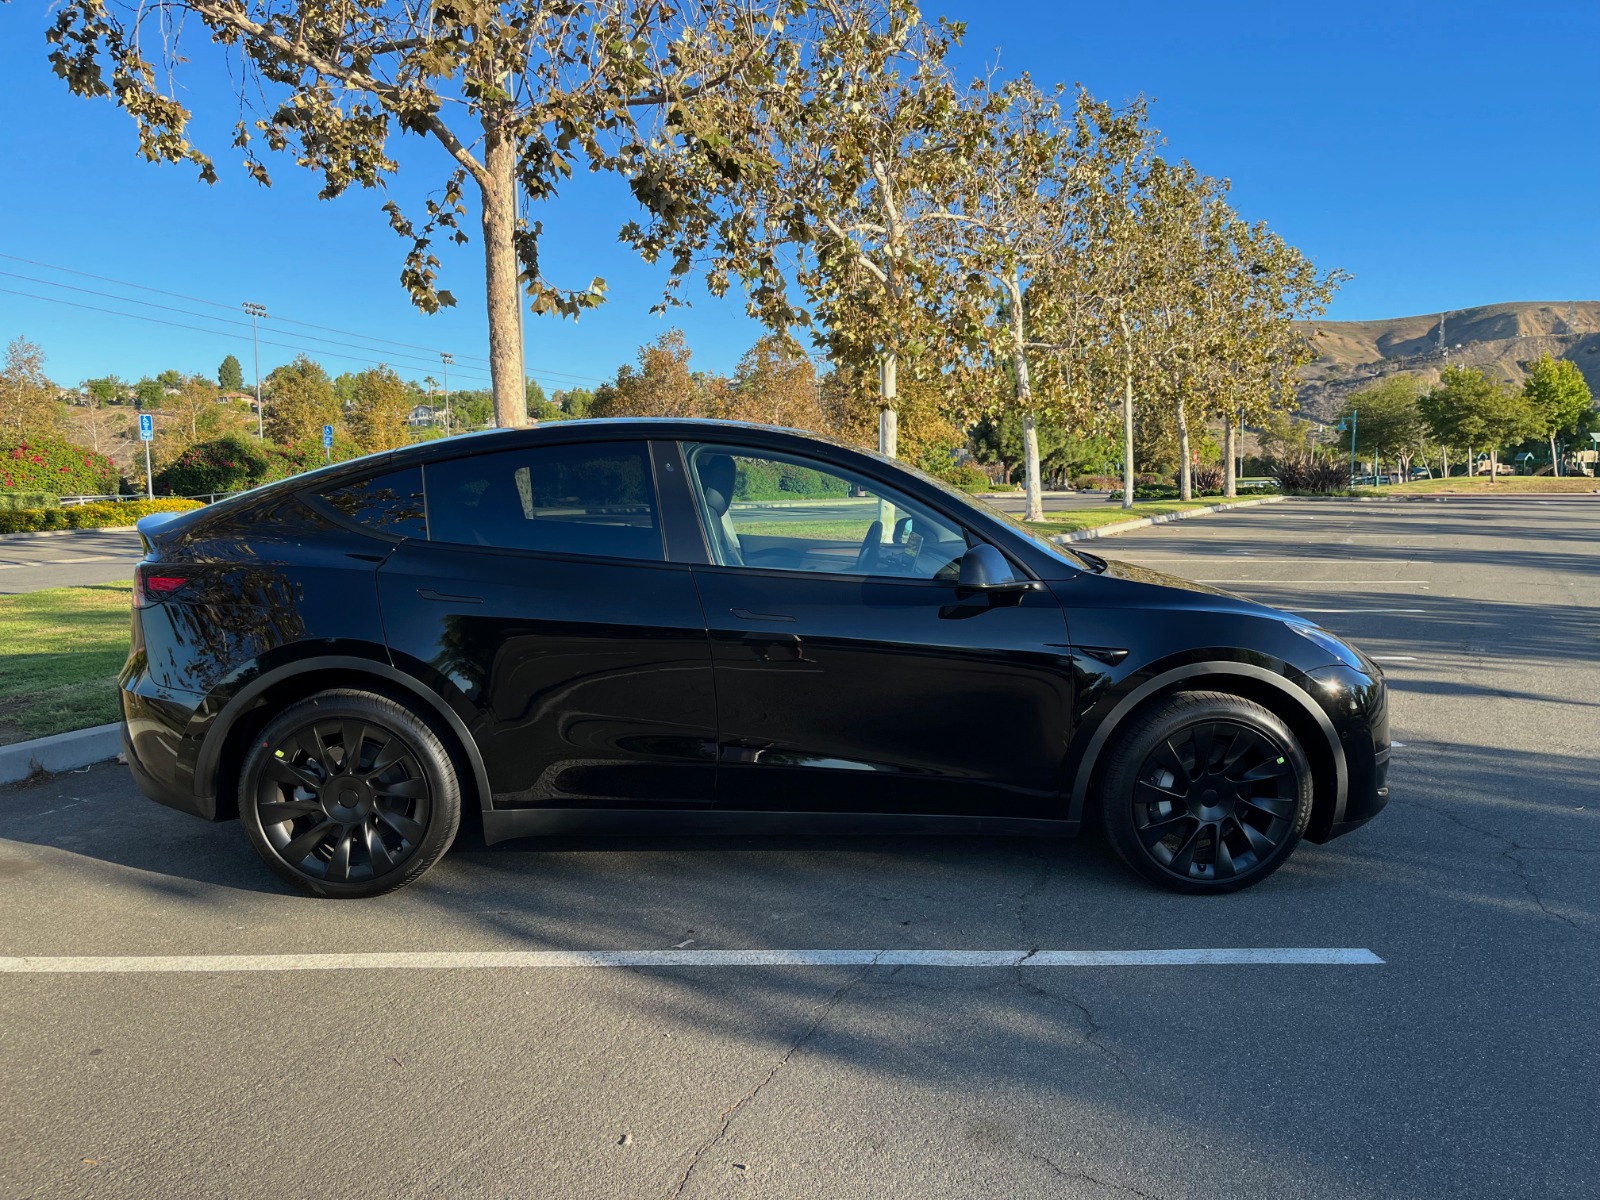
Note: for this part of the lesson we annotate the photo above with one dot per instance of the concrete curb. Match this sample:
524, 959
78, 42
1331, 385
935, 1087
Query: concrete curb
1084, 535
60, 752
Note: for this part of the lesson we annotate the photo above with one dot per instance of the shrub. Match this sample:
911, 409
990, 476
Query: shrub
785, 481
1318, 479
55, 466
11, 501
102, 514
228, 464
1098, 483
1206, 481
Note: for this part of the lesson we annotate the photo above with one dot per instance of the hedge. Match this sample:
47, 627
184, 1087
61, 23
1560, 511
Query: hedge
103, 514
56, 467
11, 501
227, 464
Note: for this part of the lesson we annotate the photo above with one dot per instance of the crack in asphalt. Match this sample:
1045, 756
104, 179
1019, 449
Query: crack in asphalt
1092, 1028
1080, 1173
732, 1111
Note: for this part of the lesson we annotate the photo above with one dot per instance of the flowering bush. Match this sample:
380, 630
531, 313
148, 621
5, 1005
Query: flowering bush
99, 515
227, 464
56, 466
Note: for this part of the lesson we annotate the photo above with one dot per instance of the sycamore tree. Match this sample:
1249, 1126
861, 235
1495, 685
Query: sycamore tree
28, 405
1558, 398
299, 401
516, 95
774, 385
378, 407
1467, 408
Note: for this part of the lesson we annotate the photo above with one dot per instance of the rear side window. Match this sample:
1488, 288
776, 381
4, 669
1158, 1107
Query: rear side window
391, 503
580, 499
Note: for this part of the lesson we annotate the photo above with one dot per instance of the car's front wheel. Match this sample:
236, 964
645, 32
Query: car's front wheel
348, 794
1206, 792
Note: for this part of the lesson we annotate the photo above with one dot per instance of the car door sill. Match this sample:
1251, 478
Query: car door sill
503, 824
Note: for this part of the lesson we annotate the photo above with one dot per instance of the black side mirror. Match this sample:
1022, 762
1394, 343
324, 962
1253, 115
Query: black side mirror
983, 568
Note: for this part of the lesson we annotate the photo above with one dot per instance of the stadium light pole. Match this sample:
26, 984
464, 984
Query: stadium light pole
257, 311
446, 359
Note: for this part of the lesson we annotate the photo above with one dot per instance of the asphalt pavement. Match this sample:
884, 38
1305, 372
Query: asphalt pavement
84, 556
1467, 1063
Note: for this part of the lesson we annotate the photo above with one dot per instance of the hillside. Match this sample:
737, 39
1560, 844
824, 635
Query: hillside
1499, 338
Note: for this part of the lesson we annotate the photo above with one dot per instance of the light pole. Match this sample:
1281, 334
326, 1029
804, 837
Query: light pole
446, 359
257, 312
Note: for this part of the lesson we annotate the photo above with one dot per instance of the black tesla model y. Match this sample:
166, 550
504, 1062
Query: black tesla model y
702, 626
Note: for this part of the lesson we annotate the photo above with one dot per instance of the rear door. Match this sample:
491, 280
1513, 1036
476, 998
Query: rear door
542, 605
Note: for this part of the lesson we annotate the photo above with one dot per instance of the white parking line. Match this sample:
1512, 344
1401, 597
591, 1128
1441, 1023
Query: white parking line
1320, 611
1354, 582
1393, 657
562, 959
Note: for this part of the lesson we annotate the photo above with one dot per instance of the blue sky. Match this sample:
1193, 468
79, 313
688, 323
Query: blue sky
1441, 152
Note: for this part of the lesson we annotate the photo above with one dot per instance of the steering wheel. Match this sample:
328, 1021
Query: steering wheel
867, 559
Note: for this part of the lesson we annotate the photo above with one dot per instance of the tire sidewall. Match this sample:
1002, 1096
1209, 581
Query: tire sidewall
438, 769
1169, 719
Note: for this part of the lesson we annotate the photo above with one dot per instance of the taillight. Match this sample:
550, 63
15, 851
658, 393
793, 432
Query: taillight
152, 587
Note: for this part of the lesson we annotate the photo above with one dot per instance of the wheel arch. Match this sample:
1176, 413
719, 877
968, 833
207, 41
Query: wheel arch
1310, 725
222, 753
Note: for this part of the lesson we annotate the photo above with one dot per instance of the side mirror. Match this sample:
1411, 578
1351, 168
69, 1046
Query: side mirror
983, 568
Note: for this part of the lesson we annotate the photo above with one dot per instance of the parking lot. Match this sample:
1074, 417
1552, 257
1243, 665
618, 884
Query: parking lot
1464, 1062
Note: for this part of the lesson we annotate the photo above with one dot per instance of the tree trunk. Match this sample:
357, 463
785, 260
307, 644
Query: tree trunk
1472, 464
1494, 464
498, 186
1230, 473
1555, 466
888, 415
1127, 414
1444, 461
1033, 506
1185, 476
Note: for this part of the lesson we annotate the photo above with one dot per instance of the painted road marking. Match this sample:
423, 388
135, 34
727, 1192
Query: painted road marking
1353, 582
563, 959
1393, 657
1320, 611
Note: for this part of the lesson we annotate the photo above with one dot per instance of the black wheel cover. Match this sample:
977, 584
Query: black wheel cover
1216, 801
343, 800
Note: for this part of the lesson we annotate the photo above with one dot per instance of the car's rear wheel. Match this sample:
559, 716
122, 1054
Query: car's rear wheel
348, 794
1207, 792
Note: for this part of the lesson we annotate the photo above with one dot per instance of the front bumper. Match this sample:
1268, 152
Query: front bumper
1357, 703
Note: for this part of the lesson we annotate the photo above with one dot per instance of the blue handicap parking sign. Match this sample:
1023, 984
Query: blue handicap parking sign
147, 427
327, 435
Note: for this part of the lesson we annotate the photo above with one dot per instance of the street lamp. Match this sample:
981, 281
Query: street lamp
256, 313
446, 359
1354, 415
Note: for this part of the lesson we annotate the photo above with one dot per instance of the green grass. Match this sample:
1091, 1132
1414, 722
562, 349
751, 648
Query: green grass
1072, 520
60, 651
1479, 485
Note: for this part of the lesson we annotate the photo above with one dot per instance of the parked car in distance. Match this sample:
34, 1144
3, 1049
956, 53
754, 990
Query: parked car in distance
688, 626
1421, 473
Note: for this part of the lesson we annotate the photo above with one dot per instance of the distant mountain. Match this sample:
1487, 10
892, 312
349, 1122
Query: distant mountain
1499, 338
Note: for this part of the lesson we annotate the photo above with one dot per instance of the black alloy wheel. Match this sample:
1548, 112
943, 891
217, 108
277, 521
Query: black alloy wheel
349, 794
1207, 793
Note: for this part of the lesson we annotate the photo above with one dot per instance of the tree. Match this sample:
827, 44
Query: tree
517, 93
148, 393
230, 375
661, 386
28, 404
194, 414
378, 411
1469, 409
539, 409
1386, 420
574, 402
852, 164
299, 401
1558, 397
773, 385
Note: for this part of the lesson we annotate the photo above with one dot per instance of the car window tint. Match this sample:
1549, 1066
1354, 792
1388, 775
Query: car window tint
788, 513
390, 503
569, 499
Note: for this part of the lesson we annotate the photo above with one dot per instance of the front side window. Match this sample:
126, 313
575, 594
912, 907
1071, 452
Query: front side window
781, 512
596, 498
390, 503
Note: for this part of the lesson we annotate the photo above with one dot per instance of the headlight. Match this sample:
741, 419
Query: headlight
1343, 653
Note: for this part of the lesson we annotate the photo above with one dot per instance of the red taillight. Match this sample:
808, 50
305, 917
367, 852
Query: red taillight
151, 588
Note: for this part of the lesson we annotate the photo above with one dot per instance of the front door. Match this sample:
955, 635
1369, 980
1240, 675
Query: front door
851, 674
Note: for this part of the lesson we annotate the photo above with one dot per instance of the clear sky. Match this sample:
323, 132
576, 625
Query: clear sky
1444, 153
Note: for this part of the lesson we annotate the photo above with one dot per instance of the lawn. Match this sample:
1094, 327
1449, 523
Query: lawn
60, 651
1072, 520
1479, 485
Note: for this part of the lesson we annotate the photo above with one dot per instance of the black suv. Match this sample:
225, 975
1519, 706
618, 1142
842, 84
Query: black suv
696, 626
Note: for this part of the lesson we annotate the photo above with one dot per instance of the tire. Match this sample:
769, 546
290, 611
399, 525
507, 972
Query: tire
395, 812
1206, 793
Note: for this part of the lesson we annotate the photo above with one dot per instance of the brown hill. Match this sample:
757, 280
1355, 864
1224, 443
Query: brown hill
1499, 338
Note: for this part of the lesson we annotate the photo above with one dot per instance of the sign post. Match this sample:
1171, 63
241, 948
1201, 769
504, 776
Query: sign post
327, 443
147, 433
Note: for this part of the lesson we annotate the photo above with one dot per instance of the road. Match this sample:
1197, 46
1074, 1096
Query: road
1467, 1064
29, 564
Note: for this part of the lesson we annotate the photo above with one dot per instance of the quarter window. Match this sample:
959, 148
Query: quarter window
389, 503
567, 499
795, 514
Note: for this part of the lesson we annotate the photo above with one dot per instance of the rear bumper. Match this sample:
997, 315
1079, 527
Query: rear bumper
161, 750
